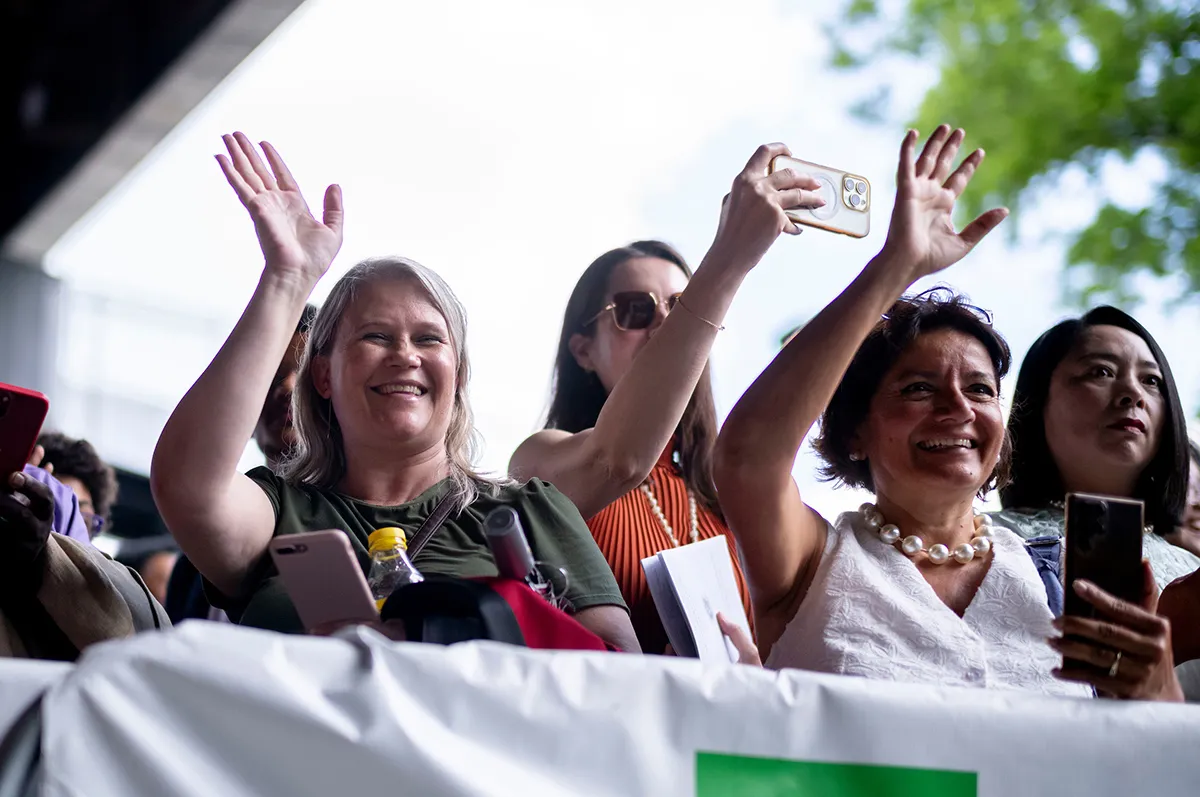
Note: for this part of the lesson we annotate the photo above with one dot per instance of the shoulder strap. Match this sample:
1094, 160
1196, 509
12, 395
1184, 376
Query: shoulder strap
432, 523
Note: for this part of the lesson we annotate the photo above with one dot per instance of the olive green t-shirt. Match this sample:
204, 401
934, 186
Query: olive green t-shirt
556, 532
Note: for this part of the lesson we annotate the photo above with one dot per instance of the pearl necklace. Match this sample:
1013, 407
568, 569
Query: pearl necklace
939, 554
662, 519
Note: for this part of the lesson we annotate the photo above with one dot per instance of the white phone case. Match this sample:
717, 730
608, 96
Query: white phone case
847, 198
323, 578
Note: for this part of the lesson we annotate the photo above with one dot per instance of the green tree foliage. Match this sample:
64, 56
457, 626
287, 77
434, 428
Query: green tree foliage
1044, 85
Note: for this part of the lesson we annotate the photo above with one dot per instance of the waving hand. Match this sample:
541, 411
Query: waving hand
294, 243
922, 230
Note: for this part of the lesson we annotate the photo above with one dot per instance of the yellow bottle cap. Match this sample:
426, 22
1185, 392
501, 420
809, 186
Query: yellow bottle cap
388, 537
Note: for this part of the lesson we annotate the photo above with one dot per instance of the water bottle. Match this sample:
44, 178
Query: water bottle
390, 567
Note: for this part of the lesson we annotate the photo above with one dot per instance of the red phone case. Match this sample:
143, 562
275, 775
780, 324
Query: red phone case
22, 412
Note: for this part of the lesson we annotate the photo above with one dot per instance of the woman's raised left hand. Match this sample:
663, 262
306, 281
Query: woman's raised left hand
921, 237
1128, 646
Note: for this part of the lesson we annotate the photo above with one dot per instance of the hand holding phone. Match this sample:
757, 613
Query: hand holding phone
22, 412
1103, 546
847, 208
753, 213
323, 578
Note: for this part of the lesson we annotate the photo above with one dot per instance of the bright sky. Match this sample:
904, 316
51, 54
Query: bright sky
506, 145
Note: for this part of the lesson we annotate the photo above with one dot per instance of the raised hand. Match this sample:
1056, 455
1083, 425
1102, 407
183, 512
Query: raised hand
752, 216
922, 234
294, 243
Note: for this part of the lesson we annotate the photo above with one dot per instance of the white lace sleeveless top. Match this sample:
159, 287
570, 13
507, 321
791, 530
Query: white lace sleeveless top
869, 612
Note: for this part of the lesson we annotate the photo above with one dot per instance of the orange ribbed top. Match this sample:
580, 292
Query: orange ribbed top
627, 532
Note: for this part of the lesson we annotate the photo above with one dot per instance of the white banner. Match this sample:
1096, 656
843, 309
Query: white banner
211, 709
21, 681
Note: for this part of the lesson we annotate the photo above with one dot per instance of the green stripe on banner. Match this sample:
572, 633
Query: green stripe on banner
719, 775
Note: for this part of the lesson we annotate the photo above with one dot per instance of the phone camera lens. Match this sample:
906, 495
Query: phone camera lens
849, 183
860, 187
855, 200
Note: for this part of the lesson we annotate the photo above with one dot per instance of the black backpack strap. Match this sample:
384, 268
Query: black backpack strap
432, 523
1046, 553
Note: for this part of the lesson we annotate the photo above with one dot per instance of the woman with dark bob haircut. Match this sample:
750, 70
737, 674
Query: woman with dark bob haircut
916, 586
1096, 410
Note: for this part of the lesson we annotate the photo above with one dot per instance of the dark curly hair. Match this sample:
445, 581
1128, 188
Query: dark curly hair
77, 458
905, 321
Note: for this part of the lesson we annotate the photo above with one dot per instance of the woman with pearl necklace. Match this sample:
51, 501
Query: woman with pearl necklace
915, 586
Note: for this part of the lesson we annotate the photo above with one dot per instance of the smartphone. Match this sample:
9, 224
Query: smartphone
22, 412
1104, 546
847, 198
323, 578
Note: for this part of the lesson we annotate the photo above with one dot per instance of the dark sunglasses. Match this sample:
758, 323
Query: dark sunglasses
635, 309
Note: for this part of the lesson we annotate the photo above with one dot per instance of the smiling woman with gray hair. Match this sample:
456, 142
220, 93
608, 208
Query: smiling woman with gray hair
383, 425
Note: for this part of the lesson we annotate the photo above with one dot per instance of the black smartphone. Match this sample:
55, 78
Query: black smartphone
1104, 546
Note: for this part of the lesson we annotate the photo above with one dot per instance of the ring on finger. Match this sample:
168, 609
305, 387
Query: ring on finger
1116, 665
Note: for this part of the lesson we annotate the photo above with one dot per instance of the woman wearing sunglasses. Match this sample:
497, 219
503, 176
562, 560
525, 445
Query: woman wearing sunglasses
631, 427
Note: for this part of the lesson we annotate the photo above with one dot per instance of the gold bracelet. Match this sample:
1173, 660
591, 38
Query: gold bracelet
717, 327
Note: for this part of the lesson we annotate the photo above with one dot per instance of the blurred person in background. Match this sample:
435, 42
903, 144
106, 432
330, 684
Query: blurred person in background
1187, 535
632, 424
274, 434
156, 570
1180, 600
76, 464
384, 430
58, 592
